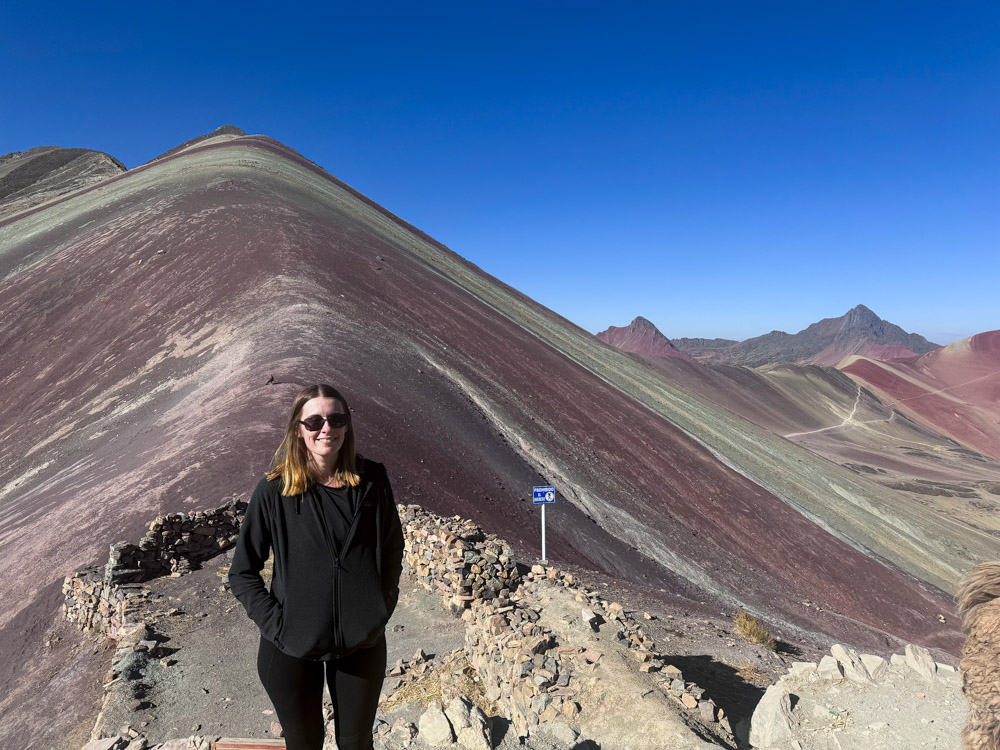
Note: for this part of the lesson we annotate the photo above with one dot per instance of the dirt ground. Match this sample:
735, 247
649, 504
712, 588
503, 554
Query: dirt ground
213, 688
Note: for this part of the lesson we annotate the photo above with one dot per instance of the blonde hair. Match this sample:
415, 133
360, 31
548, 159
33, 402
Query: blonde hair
291, 460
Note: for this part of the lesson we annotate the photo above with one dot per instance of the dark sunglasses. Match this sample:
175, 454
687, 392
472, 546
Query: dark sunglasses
315, 422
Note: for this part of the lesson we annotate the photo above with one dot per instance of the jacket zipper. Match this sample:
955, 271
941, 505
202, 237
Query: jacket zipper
339, 636
335, 554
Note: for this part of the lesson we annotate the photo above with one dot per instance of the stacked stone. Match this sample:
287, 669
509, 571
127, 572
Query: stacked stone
175, 541
109, 600
456, 559
82, 599
519, 661
670, 679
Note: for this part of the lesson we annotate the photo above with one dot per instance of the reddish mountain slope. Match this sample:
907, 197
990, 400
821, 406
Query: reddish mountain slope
823, 343
643, 338
145, 315
955, 390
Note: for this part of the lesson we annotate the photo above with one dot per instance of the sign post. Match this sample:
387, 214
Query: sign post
543, 496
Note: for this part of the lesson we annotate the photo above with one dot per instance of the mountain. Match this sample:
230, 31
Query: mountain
146, 315
218, 133
954, 390
858, 331
844, 419
43, 174
643, 338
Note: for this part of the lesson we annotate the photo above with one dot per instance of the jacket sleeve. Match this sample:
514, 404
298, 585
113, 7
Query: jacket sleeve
392, 549
252, 550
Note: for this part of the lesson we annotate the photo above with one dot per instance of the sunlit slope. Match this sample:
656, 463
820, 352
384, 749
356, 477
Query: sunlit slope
845, 422
145, 316
955, 390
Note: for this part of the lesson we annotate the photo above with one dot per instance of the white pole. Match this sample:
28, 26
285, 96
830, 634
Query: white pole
544, 559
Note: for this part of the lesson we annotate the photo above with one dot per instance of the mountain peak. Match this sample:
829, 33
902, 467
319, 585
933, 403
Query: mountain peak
222, 130
640, 323
826, 342
641, 337
861, 316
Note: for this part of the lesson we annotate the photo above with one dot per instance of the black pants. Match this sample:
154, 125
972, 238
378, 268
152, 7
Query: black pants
295, 687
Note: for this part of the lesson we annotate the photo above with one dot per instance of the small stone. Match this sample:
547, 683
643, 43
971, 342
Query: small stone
876, 666
802, 668
771, 724
919, 659
851, 665
672, 672
276, 730
434, 726
829, 669
563, 734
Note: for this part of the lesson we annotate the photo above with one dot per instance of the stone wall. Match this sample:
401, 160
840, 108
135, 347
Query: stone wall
456, 559
526, 672
535, 679
108, 599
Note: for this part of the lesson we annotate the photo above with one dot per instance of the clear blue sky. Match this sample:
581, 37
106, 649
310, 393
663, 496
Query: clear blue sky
723, 169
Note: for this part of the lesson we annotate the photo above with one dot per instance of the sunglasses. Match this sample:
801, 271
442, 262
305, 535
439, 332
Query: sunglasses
315, 422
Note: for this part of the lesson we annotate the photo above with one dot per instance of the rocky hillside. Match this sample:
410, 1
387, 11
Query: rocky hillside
858, 331
953, 390
41, 175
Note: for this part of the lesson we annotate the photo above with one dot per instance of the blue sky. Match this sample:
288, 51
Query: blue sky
723, 169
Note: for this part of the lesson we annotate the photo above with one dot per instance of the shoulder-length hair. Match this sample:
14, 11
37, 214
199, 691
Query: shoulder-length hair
291, 460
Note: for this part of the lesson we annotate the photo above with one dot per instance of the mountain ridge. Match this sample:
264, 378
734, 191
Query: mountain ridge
825, 342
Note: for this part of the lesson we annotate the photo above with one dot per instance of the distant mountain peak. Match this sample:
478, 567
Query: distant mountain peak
641, 337
861, 315
826, 342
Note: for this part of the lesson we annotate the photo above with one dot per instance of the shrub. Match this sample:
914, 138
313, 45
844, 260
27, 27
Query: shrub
750, 628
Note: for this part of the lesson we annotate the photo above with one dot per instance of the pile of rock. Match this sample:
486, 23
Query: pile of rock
108, 600
536, 680
460, 722
863, 699
176, 542
455, 558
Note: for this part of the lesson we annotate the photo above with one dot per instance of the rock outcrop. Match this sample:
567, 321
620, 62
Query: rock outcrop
861, 702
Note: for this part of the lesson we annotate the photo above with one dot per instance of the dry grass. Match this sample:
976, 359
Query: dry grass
749, 673
460, 678
266, 573
750, 628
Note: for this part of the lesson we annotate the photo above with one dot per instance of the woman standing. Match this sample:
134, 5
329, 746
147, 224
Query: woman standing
329, 516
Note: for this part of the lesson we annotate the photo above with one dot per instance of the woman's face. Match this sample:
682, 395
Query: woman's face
324, 443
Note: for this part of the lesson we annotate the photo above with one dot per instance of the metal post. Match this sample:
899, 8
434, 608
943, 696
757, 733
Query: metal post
544, 559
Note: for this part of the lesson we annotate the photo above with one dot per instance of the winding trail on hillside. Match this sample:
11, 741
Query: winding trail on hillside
848, 420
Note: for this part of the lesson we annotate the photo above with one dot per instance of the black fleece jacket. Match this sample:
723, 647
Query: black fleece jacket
326, 599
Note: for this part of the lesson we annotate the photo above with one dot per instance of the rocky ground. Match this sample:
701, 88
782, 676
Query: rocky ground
200, 682
201, 679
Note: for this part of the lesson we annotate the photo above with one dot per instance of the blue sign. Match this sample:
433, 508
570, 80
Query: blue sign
544, 495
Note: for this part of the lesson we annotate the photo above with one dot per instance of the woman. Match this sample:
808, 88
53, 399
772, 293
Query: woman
330, 518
